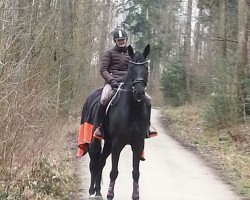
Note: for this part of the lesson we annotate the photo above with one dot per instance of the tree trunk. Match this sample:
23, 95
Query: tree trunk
188, 49
104, 34
243, 10
197, 44
248, 48
104, 27
222, 37
65, 83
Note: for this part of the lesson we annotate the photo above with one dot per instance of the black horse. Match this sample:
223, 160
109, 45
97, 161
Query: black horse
126, 123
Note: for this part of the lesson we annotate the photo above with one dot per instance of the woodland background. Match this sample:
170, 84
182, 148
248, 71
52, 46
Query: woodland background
49, 63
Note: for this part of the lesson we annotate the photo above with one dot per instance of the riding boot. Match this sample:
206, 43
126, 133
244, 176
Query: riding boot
151, 132
100, 112
142, 156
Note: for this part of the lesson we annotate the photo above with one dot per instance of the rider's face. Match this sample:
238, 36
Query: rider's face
121, 42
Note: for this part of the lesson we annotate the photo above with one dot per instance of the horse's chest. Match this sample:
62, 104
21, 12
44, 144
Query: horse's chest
135, 126
129, 124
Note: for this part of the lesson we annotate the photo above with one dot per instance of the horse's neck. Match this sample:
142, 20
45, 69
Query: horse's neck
128, 100
127, 85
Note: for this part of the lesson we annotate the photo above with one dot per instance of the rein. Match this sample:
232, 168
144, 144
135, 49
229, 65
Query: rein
116, 93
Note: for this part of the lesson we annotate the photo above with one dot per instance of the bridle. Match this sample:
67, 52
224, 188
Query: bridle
139, 80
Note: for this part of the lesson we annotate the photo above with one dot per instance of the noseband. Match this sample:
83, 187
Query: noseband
140, 80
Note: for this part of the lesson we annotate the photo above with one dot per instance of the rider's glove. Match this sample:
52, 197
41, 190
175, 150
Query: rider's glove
114, 84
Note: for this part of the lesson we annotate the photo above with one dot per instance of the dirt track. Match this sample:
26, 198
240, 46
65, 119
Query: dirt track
170, 172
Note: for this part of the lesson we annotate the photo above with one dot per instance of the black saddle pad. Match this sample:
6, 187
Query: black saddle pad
90, 106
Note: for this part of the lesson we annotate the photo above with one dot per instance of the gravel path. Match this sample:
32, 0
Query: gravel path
170, 172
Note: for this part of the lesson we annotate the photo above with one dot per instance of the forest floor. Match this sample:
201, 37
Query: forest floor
227, 150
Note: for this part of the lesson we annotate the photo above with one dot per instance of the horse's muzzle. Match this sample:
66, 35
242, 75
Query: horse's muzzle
139, 91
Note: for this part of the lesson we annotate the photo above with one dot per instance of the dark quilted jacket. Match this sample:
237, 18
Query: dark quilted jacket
114, 64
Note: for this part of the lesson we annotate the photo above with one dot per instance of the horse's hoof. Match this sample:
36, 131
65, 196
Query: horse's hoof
98, 198
109, 197
98, 194
91, 197
135, 197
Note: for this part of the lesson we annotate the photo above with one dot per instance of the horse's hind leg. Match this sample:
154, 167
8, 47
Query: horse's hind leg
94, 154
116, 150
102, 161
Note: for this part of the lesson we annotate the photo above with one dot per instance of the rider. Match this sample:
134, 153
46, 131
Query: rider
114, 66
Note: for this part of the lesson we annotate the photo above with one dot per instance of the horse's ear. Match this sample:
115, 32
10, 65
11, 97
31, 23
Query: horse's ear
130, 51
146, 51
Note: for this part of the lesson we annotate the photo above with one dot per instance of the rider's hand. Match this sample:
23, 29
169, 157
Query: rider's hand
114, 84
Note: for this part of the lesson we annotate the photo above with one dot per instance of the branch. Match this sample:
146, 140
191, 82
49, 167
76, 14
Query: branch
26, 56
221, 39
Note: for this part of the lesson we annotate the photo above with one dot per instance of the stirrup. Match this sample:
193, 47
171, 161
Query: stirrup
151, 132
98, 134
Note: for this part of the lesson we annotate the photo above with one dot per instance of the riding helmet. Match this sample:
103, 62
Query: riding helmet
119, 34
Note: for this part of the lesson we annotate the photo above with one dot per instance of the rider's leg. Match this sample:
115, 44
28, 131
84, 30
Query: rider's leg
100, 112
151, 131
99, 115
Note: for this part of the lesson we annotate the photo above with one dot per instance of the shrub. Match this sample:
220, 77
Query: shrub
223, 106
246, 95
45, 181
173, 83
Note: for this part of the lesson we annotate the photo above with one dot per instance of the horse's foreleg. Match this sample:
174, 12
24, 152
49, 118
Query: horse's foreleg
136, 172
136, 175
94, 154
105, 153
116, 150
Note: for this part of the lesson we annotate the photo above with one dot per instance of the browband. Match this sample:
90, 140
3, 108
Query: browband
139, 63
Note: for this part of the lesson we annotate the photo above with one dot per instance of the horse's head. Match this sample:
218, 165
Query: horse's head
138, 72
